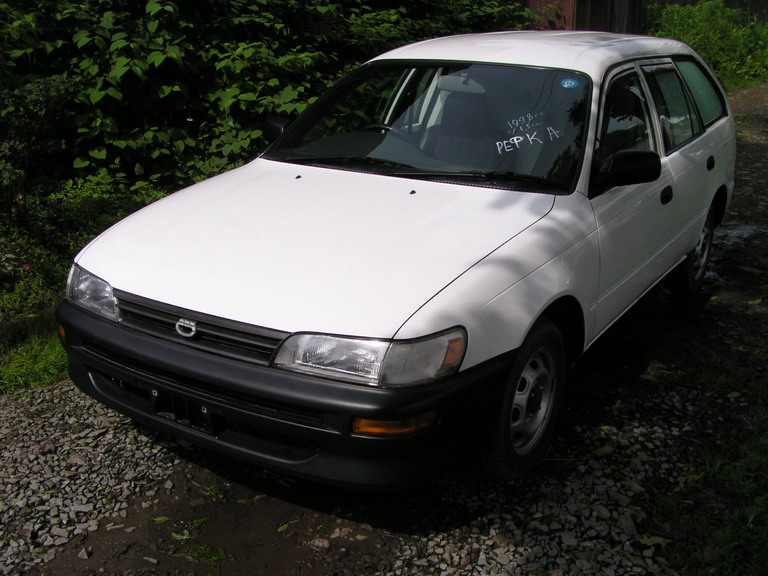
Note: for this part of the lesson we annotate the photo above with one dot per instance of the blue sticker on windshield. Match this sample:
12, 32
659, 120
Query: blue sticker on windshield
569, 83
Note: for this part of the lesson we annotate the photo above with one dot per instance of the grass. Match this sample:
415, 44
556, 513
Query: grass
722, 516
186, 532
37, 361
188, 529
215, 491
209, 556
717, 523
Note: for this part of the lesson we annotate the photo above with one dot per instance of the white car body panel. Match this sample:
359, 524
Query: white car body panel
630, 222
298, 248
588, 52
692, 177
557, 256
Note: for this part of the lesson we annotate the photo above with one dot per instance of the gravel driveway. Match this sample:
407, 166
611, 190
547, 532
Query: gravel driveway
85, 492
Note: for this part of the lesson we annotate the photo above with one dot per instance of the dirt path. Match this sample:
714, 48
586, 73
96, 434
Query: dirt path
219, 517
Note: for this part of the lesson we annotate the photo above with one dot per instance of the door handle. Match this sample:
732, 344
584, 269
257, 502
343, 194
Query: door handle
666, 195
710, 163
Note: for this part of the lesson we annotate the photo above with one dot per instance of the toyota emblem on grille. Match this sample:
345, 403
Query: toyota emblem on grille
186, 328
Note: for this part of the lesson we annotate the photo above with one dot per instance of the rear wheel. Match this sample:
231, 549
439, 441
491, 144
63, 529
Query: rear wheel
530, 403
689, 277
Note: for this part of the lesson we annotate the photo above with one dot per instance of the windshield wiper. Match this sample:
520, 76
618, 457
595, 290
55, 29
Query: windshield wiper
493, 177
489, 176
350, 161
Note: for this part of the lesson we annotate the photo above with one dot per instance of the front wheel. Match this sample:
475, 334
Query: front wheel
530, 403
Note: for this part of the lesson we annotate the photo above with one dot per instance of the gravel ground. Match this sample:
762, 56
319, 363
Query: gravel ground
69, 466
82, 489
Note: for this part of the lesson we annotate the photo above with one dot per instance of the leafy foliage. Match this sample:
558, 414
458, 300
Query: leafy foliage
732, 42
168, 88
105, 105
31, 128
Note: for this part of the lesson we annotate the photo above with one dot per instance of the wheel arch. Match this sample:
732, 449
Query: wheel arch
567, 315
719, 204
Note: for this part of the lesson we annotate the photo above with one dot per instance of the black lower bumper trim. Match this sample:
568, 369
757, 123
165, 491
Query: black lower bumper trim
288, 422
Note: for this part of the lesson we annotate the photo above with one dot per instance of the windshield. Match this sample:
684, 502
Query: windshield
501, 125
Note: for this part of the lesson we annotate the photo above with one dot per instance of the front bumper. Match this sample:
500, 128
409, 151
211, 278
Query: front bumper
296, 424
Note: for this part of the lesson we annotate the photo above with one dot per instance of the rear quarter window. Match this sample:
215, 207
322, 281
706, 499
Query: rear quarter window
707, 95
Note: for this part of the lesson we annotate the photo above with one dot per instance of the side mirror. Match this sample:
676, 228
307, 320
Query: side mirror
273, 127
629, 167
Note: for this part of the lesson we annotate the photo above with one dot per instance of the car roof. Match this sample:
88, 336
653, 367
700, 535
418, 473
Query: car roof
589, 52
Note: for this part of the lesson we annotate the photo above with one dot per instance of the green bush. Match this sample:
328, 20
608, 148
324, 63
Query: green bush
106, 105
733, 43
33, 137
150, 95
31, 280
171, 87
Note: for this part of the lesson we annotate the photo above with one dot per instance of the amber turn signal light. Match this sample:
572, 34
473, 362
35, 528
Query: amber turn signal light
399, 427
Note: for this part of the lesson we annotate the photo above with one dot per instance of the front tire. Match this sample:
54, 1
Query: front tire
530, 403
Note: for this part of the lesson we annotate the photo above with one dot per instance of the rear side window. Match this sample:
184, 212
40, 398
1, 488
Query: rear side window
705, 92
678, 118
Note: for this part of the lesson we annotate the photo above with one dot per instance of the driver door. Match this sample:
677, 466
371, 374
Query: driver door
635, 223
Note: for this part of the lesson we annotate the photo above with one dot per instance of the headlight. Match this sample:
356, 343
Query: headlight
385, 363
91, 292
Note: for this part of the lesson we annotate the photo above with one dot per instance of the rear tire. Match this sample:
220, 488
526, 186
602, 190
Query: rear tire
690, 275
530, 403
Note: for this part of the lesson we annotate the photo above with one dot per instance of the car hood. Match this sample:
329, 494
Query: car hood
301, 248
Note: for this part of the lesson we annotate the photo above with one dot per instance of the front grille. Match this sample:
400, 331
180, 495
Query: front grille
211, 334
148, 378
246, 429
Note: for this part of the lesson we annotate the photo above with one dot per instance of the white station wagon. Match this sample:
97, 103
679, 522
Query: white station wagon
414, 263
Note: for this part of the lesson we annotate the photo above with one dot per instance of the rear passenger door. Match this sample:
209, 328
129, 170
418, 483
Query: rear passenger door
691, 114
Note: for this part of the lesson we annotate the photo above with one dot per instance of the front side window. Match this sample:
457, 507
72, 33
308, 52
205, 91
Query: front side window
626, 121
679, 122
498, 125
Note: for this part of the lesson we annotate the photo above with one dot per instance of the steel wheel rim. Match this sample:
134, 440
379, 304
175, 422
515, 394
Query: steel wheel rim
533, 401
701, 253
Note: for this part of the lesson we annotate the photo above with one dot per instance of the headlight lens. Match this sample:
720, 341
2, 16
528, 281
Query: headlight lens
389, 364
91, 292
